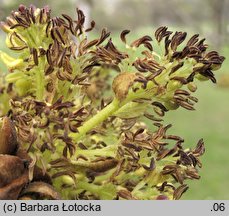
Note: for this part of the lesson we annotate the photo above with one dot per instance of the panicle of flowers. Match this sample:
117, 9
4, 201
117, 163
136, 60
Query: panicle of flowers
75, 131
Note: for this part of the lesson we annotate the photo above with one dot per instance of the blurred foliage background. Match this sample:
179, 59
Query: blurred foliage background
209, 18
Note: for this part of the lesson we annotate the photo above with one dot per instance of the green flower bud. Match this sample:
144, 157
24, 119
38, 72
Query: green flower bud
11, 62
174, 85
22, 86
14, 41
5, 27
171, 105
201, 77
192, 87
13, 77
215, 67
8, 42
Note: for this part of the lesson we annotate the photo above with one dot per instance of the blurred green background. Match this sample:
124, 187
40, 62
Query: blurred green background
209, 18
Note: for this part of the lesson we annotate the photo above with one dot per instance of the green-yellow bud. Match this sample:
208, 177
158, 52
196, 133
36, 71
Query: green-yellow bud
13, 77
174, 85
171, 105
5, 27
201, 77
22, 86
11, 62
192, 87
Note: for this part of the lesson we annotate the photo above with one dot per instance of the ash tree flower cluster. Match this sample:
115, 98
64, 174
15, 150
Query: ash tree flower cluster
73, 110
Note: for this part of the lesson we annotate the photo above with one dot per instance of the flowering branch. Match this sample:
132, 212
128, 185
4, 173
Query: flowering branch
76, 108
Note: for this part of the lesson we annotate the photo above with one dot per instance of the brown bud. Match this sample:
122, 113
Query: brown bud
11, 167
26, 197
122, 83
12, 190
22, 153
43, 190
39, 175
8, 137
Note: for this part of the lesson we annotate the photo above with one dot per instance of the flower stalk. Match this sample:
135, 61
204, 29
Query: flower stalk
97, 119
